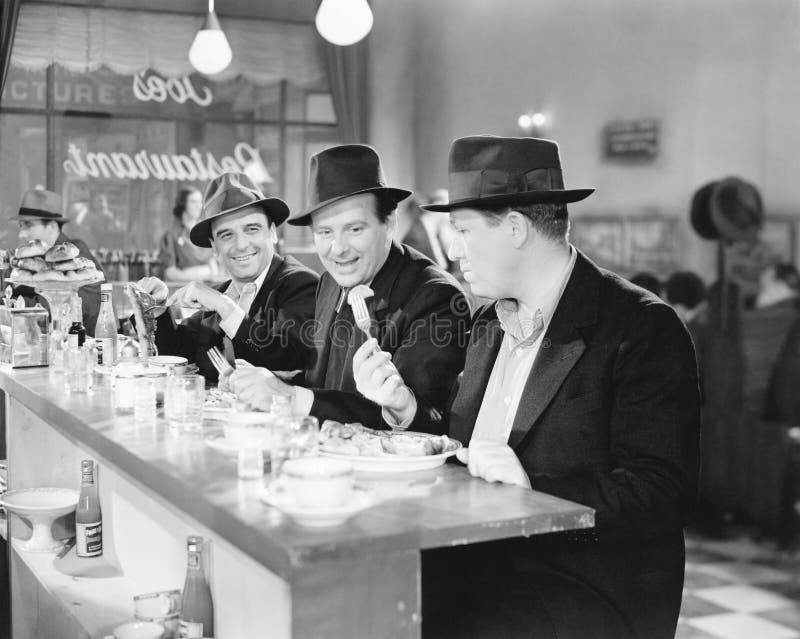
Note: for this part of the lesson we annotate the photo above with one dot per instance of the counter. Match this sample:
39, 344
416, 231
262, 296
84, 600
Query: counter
360, 579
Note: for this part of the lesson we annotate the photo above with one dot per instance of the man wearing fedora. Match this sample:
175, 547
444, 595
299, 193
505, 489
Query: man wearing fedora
40, 218
259, 314
418, 312
577, 384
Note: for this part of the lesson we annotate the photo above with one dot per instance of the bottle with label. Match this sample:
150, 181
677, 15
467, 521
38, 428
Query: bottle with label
105, 333
88, 518
197, 609
76, 335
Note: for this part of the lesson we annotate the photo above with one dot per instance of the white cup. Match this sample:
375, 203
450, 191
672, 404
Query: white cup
318, 482
248, 428
173, 363
138, 630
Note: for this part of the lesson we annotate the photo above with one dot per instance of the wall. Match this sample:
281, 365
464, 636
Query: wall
720, 75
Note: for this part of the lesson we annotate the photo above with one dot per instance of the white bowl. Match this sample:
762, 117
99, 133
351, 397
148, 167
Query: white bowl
41, 506
174, 363
318, 482
248, 428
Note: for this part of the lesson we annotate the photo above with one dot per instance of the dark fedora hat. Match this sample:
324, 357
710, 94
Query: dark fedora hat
736, 209
492, 172
229, 193
38, 204
700, 212
342, 171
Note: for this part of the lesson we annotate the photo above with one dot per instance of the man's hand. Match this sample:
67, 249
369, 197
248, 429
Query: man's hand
493, 462
256, 386
156, 288
378, 380
197, 295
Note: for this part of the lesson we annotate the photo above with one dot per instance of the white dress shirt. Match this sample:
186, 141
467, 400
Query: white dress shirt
243, 293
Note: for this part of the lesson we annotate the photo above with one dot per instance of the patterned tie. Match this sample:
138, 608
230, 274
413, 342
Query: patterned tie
247, 294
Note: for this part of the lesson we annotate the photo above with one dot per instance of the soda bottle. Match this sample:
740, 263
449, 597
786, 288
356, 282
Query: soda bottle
88, 518
105, 332
76, 335
197, 609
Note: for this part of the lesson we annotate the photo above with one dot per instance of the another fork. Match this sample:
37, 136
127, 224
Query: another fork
220, 363
360, 312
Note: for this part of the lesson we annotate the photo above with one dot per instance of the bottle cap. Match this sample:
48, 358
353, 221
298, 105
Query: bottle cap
107, 286
194, 543
87, 466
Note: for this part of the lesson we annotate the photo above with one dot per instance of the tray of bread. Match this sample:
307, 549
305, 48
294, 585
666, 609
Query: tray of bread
59, 266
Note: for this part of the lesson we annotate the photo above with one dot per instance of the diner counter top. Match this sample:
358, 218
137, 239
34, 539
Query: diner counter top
419, 510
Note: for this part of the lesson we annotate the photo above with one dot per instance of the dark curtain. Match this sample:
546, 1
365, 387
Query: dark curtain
347, 74
8, 14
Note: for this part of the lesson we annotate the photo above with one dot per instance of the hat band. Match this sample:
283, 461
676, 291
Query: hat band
487, 182
38, 212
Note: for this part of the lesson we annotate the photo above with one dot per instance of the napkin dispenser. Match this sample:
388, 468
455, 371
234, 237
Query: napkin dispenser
24, 336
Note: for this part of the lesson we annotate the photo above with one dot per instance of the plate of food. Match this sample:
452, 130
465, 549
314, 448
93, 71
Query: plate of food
218, 402
57, 267
381, 451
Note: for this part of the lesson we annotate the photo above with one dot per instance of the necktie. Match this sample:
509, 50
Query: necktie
247, 294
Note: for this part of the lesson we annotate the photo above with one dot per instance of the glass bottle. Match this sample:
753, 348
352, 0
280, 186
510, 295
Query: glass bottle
197, 609
88, 517
105, 333
76, 335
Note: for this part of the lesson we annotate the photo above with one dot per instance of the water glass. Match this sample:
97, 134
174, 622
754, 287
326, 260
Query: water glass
250, 463
303, 436
78, 369
183, 401
144, 402
279, 447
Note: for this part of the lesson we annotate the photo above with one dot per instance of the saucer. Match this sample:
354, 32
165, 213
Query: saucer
277, 496
219, 442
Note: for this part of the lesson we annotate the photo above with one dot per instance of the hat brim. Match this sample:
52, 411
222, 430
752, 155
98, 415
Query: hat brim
274, 208
17, 218
398, 195
558, 196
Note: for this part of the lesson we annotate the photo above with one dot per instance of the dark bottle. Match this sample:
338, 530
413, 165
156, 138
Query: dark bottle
88, 518
76, 335
197, 609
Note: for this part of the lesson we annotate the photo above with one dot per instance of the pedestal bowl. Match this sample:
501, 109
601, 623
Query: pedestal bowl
40, 506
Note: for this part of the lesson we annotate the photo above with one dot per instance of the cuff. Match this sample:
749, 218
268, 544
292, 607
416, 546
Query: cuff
393, 419
232, 323
303, 399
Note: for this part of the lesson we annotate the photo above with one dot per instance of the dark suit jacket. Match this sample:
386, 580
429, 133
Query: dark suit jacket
271, 334
420, 316
89, 294
609, 418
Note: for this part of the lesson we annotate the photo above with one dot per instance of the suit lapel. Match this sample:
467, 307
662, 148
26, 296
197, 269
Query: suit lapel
561, 348
324, 313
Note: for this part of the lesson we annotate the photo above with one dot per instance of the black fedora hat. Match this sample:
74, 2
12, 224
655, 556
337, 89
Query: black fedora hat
492, 172
229, 193
700, 212
342, 171
736, 209
39, 204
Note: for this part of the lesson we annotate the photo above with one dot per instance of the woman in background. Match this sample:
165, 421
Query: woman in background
181, 260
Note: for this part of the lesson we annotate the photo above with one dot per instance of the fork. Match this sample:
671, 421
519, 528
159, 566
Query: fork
360, 312
220, 363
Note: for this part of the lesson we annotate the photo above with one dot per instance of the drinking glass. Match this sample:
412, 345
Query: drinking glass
144, 402
184, 401
303, 436
279, 447
78, 369
251, 462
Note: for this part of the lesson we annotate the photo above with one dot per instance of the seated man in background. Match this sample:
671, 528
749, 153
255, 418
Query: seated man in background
418, 312
257, 315
577, 384
40, 218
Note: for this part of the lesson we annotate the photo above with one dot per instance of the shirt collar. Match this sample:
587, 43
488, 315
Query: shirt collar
521, 322
259, 281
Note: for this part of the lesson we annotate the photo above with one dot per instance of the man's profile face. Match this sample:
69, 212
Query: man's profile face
245, 242
484, 252
45, 230
351, 240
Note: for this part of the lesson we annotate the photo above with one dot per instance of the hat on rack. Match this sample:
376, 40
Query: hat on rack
342, 171
488, 171
700, 212
229, 193
39, 204
736, 209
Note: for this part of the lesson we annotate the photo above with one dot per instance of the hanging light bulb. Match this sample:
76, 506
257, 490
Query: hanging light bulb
210, 52
344, 22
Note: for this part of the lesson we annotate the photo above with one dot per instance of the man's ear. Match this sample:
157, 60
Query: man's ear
213, 248
273, 232
519, 228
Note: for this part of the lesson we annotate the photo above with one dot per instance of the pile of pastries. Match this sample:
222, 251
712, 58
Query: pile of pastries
34, 262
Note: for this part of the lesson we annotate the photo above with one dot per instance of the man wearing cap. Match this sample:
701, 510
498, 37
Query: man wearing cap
40, 218
418, 312
259, 314
577, 384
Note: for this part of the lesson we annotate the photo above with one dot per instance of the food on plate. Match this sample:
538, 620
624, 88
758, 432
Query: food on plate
219, 399
62, 252
82, 275
355, 439
144, 306
33, 248
74, 264
49, 276
33, 264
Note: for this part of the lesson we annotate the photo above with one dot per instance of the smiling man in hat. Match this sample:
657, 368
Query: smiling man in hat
258, 315
577, 384
418, 312
40, 218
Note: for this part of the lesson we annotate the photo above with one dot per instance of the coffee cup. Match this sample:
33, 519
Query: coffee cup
138, 630
172, 363
318, 482
248, 428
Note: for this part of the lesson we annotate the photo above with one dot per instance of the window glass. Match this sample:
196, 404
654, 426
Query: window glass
25, 89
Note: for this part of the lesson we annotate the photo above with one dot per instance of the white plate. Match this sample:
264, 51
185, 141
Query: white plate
396, 463
217, 441
359, 500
